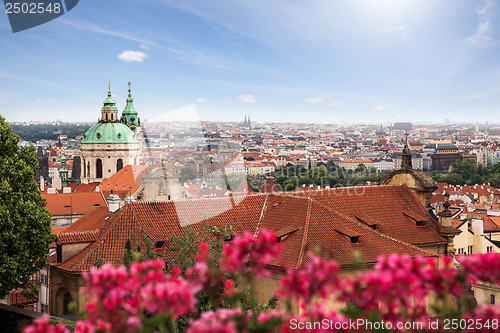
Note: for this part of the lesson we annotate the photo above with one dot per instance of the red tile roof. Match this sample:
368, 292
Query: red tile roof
315, 219
90, 187
127, 180
73, 203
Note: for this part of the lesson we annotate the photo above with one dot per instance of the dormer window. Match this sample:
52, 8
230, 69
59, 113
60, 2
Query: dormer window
415, 219
367, 220
159, 244
348, 234
282, 234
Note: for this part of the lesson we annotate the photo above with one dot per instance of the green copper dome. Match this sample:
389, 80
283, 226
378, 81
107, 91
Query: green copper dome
129, 114
109, 133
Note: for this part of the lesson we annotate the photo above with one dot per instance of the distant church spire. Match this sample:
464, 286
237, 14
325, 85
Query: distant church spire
63, 172
406, 157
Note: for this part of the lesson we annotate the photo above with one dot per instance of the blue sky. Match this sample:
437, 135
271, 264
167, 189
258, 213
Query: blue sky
325, 61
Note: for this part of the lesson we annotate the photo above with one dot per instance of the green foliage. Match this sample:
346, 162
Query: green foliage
35, 132
186, 245
138, 254
185, 248
99, 262
186, 174
290, 177
25, 223
468, 173
69, 323
233, 180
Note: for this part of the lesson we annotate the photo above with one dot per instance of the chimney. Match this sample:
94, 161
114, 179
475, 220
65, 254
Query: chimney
477, 226
113, 202
445, 214
42, 184
477, 230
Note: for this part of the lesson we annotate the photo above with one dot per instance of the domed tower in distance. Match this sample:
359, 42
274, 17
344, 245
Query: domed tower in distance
109, 145
419, 183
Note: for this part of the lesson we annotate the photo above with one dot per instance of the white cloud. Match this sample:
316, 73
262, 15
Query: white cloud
378, 108
48, 100
336, 103
247, 98
484, 16
132, 56
144, 47
201, 100
401, 31
318, 99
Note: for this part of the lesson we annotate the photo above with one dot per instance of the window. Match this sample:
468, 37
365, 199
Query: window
470, 249
59, 253
489, 249
98, 168
119, 164
492, 299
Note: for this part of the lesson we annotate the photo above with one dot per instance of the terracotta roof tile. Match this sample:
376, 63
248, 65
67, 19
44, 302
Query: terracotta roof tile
73, 203
127, 180
305, 221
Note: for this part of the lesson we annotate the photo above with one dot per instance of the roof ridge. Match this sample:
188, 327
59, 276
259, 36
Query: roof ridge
203, 198
264, 206
78, 232
305, 234
377, 232
102, 236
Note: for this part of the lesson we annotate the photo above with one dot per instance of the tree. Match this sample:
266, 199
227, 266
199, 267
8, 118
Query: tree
186, 174
25, 230
138, 254
184, 251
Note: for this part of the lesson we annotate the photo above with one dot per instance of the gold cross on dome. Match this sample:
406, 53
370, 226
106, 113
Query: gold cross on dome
109, 85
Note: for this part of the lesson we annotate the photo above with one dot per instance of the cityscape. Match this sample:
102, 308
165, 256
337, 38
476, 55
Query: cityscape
221, 167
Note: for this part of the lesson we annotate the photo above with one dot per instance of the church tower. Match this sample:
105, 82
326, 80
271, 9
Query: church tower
419, 183
129, 114
109, 112
109, 145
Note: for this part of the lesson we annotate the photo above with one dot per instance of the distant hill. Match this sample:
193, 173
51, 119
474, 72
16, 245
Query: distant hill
35, 132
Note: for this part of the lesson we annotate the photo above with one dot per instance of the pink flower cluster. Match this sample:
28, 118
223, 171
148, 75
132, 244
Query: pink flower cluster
122, 298
398, 289
251, 252
221, 321
483, 268
319, 278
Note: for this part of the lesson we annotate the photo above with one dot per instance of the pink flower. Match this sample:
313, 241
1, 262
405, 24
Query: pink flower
220, 321
251, 252
42, 325
319, 278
